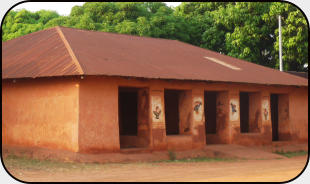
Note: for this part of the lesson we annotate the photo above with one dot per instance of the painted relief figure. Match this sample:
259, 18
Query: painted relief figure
198, 109
157, 109
234, 106
265, 105
197, 106
157, 112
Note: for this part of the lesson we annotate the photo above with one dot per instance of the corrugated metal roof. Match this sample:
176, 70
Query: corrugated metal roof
63, 51
38, 54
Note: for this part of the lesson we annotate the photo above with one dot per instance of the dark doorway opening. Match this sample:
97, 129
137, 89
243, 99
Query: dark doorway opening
172, 111
133, 116
128, 111
210, 111
244, 112
274, 99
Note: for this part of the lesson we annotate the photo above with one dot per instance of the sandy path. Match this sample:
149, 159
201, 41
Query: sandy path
245, 170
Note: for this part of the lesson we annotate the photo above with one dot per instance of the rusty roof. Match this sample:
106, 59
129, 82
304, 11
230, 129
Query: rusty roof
61, 51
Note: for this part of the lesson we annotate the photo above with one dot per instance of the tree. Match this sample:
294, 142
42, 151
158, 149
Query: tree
19, 23
247, 36
127, 27
294, 35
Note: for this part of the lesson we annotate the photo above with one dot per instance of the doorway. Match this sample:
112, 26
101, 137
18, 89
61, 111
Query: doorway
172, 111
128, 111
244, 112
210, 111
133, 117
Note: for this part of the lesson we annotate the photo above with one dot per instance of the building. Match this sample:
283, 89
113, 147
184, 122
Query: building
88, 92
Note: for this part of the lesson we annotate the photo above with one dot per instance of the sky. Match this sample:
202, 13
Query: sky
62, 8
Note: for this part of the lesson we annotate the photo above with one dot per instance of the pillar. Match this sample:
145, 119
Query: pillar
198, 119
284, 120
266, 128
157, 119
234, 116
143, 118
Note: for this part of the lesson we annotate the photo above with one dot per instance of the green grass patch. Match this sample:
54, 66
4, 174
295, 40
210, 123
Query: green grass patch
172, 155
25, 163
173, 158
290, 154
200, 159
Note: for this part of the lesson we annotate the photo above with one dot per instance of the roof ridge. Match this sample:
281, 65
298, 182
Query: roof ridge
114, 33
69, 49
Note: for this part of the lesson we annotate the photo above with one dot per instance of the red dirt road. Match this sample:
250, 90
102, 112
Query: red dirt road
242, 170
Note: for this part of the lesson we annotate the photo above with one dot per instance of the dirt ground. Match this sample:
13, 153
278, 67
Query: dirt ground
236, 170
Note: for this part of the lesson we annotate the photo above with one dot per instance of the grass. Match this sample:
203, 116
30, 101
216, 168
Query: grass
22, 162
13, 161
26, 163
173, 158
290, 154
172, 155
200, 159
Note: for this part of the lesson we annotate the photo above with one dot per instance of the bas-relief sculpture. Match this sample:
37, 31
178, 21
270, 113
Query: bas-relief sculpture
234, 109
198, 109
157, 114
265, 106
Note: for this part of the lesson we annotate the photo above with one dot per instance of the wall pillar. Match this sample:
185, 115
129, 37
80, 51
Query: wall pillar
157, 119
143, 118
98, 116
222, 133
266, 128
284, 120
198, 119
222, 118
234, 116
185, 112
255, 112
299, 114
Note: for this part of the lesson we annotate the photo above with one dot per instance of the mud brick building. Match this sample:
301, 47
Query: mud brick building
88, 91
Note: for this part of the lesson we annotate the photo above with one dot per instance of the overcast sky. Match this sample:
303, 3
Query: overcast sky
62, 8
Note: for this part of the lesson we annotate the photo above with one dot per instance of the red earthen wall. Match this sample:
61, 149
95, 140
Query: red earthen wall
98, 116
82, 114
41, 113
198, 118
222, 135
255, 112
284, 128
185, 113
298, 114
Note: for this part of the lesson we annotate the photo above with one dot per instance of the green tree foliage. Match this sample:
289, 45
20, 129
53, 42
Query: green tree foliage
247, 36
246, 30
24, 22
294, 35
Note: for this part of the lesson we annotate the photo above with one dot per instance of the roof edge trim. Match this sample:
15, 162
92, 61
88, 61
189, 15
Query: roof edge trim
71, 53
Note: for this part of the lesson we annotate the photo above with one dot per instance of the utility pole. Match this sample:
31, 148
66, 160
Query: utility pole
280, 45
